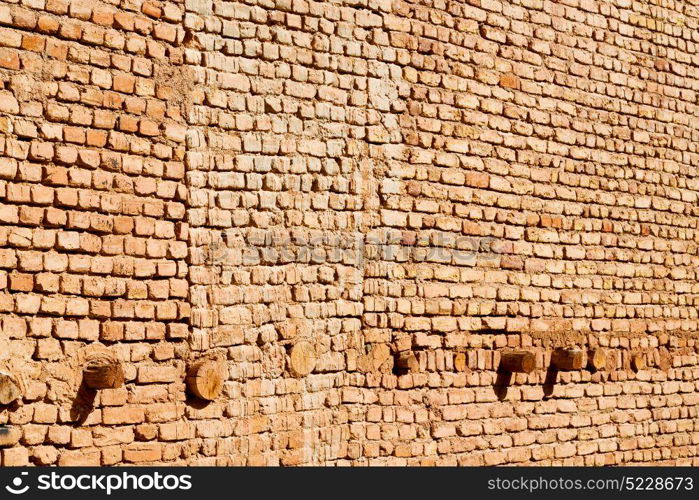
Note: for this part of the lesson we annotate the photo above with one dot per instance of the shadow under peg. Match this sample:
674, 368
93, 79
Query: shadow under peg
502, 384
550, 380
83, 404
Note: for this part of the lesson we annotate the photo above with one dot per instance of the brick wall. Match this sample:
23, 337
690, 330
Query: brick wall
410, 188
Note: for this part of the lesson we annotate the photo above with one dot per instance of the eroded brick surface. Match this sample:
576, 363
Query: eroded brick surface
408, 187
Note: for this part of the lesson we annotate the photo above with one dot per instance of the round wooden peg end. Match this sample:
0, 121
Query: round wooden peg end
302, 359
205, 379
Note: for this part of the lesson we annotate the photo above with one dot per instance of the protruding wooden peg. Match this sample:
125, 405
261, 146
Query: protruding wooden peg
638, 361
406, 361
103, 371
596, 360
302, 359
567, 358
10, 389
460, 362
518, 361
205, 379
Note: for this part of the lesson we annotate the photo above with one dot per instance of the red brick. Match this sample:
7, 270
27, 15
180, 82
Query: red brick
510, 81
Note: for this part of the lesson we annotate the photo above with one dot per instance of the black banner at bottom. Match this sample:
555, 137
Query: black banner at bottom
495, 483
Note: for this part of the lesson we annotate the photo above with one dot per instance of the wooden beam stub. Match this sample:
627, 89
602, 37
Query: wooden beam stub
205, 379
407, 362
302, 358
460, 362
638, 361
103, 371
518, 361
596, 360
567, 358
